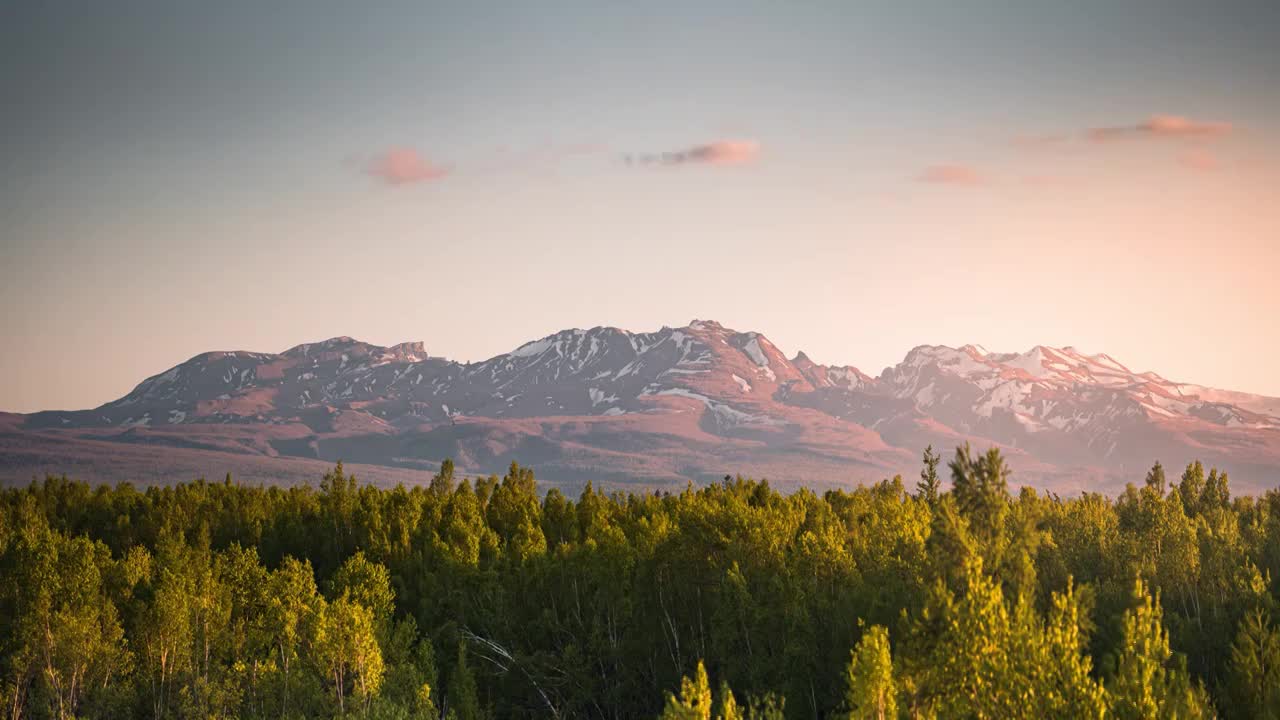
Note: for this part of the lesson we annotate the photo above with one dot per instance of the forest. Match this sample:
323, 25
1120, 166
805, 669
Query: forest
950, 596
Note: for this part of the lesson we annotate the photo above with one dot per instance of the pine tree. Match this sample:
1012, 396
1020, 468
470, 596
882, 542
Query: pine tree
727, 704
1216, 493
1147, 680
1067, 688
1255, 668
694, 701
442, 482
1191, 488
974, 654
870, 692
929, 485
1156, 480
464, 698
980, 486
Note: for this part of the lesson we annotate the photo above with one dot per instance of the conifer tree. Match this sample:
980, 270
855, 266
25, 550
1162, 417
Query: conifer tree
1216, 493
1067, 688
727, 704
928, 487
694, 701
1155, 479
981, 488
1191, 488
442, 482
1148, 681
464, 699
1255, 668
870, 692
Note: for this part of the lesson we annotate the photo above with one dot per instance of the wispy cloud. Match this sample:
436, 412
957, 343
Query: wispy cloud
404, 166
1161, 126
951, 174
719, 152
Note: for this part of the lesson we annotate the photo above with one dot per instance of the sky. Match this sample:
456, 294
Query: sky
852, 179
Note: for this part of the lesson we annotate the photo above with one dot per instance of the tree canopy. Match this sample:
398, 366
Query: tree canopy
473, 598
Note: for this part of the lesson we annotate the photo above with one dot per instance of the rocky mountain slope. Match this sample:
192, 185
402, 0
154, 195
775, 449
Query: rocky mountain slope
661, 408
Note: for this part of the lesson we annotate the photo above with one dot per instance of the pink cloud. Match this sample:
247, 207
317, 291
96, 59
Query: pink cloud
404, 166
951, 174
719, 152
1162, 126
730, 152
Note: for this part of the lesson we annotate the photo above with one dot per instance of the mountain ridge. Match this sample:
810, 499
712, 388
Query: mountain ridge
690, 402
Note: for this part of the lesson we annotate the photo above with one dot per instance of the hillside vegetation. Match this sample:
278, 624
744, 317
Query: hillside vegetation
483, 598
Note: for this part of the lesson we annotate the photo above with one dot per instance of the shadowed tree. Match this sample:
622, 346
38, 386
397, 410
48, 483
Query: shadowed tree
1255, 669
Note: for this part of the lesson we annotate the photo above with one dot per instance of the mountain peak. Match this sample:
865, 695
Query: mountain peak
415, 351
696, 325
332, 343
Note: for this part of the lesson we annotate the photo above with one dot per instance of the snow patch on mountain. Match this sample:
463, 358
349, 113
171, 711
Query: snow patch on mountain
726, 417
755, 352
598, 396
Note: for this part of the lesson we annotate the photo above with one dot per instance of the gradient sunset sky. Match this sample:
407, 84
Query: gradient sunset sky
852, 179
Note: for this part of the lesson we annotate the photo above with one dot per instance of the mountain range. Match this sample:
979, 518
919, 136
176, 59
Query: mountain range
655, 409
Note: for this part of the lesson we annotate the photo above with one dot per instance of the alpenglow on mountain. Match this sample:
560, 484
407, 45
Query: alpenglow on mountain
648, 409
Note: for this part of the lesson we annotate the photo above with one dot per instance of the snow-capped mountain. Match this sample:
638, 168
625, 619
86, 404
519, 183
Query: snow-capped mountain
692, 402
1061, 403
